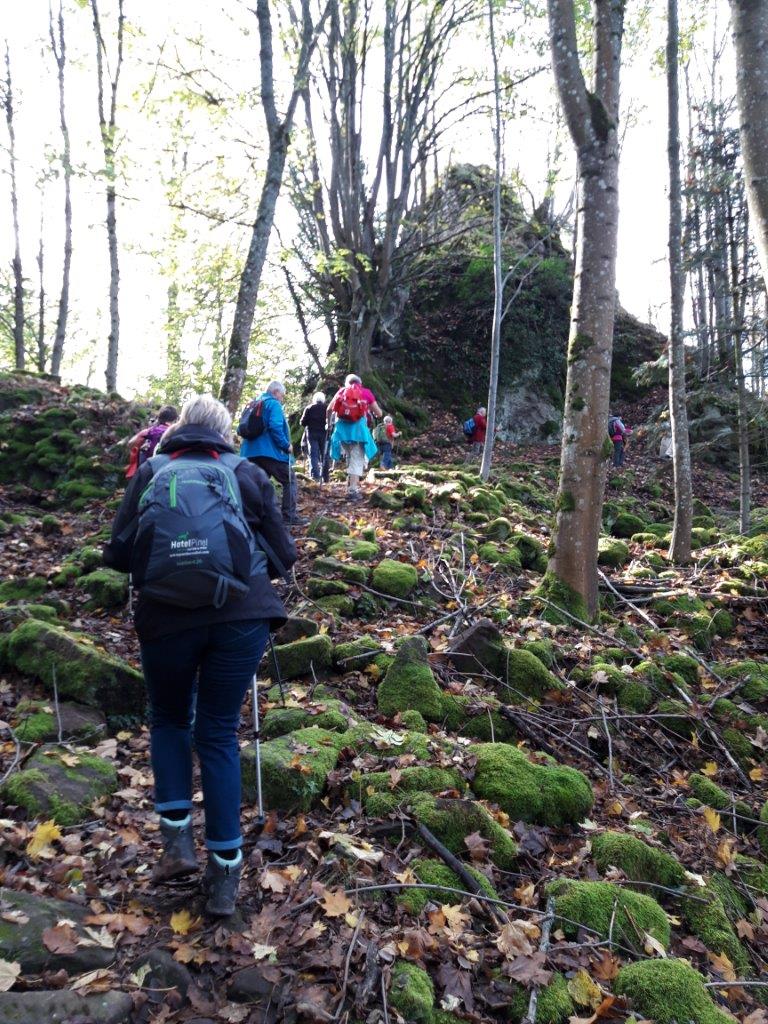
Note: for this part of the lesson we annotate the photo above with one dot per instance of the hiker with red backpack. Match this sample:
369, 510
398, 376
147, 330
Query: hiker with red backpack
351, 434
267, 443
200, 531
143, 444
618, 434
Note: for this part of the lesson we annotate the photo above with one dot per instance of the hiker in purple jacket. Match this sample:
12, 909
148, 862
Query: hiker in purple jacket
143, 444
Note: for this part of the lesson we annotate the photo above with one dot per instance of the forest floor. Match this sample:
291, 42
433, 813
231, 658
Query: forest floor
662, 706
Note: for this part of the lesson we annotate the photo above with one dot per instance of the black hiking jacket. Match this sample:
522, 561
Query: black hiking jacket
313, 418
155, 619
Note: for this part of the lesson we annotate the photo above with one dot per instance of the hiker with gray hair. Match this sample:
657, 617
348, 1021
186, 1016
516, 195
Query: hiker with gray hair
272, 449
200, 531
313, 419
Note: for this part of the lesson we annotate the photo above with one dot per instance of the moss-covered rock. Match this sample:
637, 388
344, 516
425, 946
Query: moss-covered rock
668, 992
355, 655
544, 650
435, 872
416, 779
338, 606
325, 529
356, 548
296, 628
347, 571
412, 993
592, 904
398, 579
754, 687
557, 595
58, 784
498, 530
367, 738
105, 588
539, 794
83, 671
78, 563
22, 588
683, 665
330, 715
639, 861
300, 657
414, 721
294, 768
612, 552
410, 684
554, 1005
517, 673
709, 922
531, 551
508, 558
321, 587
388, 500
36, 721
453, 820
692, 616
625, 524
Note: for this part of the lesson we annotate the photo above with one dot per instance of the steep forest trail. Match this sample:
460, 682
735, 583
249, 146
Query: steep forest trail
582, 799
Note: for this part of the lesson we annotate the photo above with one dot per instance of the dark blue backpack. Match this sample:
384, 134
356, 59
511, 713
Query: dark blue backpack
193, 546
469, 427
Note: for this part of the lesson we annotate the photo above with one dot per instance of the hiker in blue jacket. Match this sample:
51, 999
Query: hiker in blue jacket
272, 449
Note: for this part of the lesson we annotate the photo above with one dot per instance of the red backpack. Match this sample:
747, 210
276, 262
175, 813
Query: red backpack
349, 404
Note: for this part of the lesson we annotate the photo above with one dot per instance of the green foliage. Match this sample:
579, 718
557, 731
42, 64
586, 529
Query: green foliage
412, 993
397, 579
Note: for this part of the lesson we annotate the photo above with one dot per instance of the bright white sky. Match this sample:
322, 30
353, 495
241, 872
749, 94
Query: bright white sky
144, 220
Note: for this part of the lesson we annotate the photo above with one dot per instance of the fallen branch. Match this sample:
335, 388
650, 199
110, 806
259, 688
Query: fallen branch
546, 928
458, 868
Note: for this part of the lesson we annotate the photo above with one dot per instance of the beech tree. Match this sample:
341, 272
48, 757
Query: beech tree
278, 131
18, 275
750, 38
59, 50
592, 119
108, 79
680, 547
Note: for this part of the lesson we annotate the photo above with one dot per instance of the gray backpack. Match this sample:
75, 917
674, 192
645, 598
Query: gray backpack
193, 546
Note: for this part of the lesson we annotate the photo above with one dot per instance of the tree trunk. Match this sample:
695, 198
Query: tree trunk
680, 547
279, 134
498, 283
60, 56
113, 345
592, 120
18, 276
41, 292
750, 39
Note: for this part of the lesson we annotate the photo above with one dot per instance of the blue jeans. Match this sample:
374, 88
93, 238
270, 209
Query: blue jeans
618, 453
316, 452
386, 455
197, 680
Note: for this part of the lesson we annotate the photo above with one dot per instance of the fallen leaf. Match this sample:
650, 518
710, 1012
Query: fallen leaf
712, 819
9, 972
182, 922
61, 938
515, 937
745, 930
757, 774
260, 952
722, 965
479, 848
100, 980
45, 833
298, 765
584, 990
652, 945
335, 903
525, 894
529, 970
709, 769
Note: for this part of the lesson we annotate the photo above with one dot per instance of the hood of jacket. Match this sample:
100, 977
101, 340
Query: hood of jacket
193, 436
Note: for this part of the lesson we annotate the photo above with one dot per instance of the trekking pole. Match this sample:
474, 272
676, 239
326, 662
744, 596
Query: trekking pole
257, 735
276, 669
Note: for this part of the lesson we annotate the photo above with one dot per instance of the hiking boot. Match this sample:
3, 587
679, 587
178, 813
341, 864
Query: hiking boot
296, 521
179, 857
220, 884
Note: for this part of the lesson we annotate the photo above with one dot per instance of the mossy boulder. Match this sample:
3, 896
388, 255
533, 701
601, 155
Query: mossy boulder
592, 904
331, 715
538, 794
397, 579
498, 529
105, 588
388, 500
668, 992
414, 721
26, 916
416, 779
544, 650
531, 551
709, 922
625, 524
554, 1005
754, 687
347, 571
325, 529
412, 993
356, 548
339, 606
556, 602
78, 563
12, 615
367, 738
435, 872
508, 558
296, 628
639, 861
612, 552
518, 673
683, 665
410, 684
631, 692
355, 655
321, 587
300, 657
35, 721
83, 671
294, 768
692, 616
22, 588
452, 820
61, 785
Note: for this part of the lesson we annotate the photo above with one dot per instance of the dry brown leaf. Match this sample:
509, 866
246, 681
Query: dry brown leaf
709, 769
61, 938
525, 894
335, 903
9, 972
515, 938
722, 965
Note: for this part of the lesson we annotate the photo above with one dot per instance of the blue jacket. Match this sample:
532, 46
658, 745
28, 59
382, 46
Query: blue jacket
274, 441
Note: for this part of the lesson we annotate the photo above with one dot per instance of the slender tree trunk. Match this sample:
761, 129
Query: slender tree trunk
498, 284
60, 56
41, 292
680, 547
592, 120
108, 127
18, 276
749, 19
279, 136
745, 485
